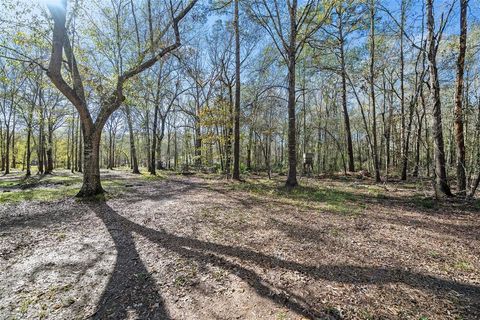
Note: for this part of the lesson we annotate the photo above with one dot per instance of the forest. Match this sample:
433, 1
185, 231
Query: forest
240, 159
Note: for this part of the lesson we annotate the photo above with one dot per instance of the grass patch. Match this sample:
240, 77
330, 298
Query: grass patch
462, 265
150, 177
9, 183
328, 198
424, 202
37, 194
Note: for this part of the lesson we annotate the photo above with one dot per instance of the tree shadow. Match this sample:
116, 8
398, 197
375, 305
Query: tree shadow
125, 289
130, 288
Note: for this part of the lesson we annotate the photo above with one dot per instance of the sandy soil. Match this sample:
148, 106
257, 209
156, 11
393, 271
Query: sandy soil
196, 248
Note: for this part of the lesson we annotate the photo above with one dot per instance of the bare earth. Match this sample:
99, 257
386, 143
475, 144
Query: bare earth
204, 248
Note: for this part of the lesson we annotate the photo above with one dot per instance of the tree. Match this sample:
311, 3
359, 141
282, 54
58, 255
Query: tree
75, 92
441, 182
372, 91
236, 145
459, 135
290, 30
347, 16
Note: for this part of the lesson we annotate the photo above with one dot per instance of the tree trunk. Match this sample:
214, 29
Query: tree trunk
459, 134
28, 146
419, 134
441, 183
229, 133
408, 135
133, 150
91, 173
40, 143
80, 148
7, 150
403, 139
292, 141
372, 90
49, 151
236, 145
346, 118
153, 149
249, 149
14, 158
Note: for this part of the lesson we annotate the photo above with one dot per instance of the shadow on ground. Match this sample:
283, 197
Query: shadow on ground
131, 288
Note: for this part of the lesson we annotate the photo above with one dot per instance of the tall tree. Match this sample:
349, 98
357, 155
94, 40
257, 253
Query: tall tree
75, 92
372, 92
289, 31
236, 145
441, 182
459, 131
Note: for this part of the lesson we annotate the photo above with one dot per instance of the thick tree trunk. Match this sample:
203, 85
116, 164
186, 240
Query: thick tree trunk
91, 174
441, 183
459, 134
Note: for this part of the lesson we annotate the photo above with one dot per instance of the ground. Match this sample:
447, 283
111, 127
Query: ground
202, 247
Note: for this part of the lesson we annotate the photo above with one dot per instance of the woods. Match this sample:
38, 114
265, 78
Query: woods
197, 102
240, 159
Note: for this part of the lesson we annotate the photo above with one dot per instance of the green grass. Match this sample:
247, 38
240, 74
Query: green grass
463, 265
47, 188
38, 194
150, 177
424, 202
9, 183
329, 198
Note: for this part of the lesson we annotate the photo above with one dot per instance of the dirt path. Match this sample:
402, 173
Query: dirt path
194, 248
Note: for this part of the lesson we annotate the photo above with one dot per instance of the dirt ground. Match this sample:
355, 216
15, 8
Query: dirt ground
198, 247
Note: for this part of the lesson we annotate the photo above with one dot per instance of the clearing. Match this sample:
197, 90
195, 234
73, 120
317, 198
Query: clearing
201, 247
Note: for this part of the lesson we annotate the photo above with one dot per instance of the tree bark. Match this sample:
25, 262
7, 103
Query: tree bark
346, 117
133, 150
236, 146
49, 151
14, 158
80, 147
28, 151
91, 174
372, 91
41, 141
459, 132
404, 143
292, 141
441, 182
